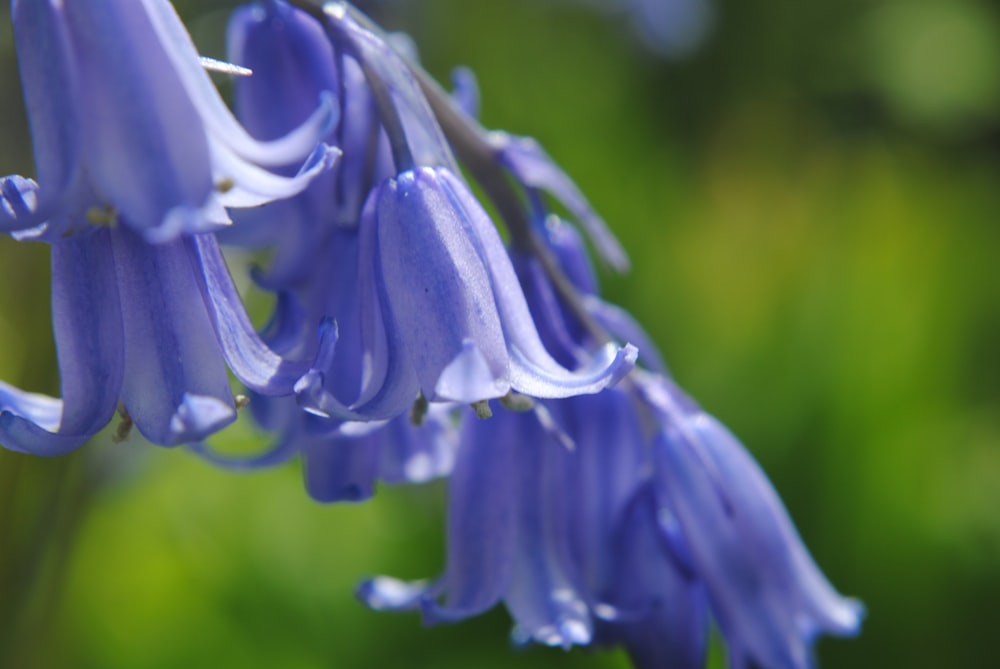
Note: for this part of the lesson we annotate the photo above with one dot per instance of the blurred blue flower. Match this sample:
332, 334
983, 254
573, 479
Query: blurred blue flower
668, 28
133, 146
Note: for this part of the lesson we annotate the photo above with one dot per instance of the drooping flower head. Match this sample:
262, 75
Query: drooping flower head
137, 158
315, 239
625, 517
441, 313
127, 126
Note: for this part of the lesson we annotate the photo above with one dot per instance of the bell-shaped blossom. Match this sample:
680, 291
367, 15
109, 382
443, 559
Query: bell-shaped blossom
442, 310
294, 61
508, 537
314, 236
344, 461
134, 145
150, 326
626, 518
550, 512
567, 538
128, 127
768, 595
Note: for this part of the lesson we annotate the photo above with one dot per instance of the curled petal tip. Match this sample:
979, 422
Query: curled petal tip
565, 634
197, 417
18, 198
309, 392
383, 593
468, 378
607, 367
182, 221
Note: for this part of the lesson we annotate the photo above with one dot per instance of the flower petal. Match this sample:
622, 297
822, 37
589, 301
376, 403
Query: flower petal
292, 59
438, 290
176, 389
252, 186
221, 124
48, 80
532, 370
624, 327
544, 596
671, 628
767, 593
250, 359
424, 137
482, 517
532, 166
412, 454
86, 318
145, 146
609, 461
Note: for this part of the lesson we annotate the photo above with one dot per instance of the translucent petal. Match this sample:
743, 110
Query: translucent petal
145, 147
482, 517
438, 290
219, 121
177, 389
249, 357
532, 166
767, 593
533, 371
87, 322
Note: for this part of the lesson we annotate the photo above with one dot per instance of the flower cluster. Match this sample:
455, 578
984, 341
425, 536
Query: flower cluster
599, 503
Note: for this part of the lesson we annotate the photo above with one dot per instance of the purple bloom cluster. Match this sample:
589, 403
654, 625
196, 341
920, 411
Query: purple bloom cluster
626, 517
599, 503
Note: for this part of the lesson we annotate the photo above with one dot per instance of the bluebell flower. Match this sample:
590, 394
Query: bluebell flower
128, 127
626, 517
134, 146
315, 271
446, 314
551, 511
441, 314
768, 595
343, 461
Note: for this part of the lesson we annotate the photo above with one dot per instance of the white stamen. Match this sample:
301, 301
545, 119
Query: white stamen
213, 65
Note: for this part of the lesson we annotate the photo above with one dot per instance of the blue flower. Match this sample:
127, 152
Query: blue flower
625, 517
549, 512
314, 236
768, 595
440, 312
443, 311
151, 325
128, 127
343, 461
562, 527
134, 146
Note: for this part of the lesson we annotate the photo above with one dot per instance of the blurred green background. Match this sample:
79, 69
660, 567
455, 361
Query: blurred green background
810, 202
